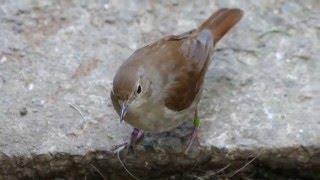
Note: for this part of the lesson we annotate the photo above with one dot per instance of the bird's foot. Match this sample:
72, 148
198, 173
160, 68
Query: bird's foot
136, 136
194, 135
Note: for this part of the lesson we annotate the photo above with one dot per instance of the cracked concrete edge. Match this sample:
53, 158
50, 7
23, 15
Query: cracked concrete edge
150, 163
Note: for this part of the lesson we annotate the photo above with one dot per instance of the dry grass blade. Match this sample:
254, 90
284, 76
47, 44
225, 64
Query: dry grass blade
77, 109
105, 91
243, 167
221, 170
273, 31
210, 174
95, 168
123, 165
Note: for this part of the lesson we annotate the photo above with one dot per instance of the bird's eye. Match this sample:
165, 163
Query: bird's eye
139, 89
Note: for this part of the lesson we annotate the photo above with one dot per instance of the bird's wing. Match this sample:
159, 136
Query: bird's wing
186, 81
194, 54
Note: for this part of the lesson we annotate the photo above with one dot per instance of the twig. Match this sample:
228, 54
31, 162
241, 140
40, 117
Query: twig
235, 49
95, 168
123, 165
243, 167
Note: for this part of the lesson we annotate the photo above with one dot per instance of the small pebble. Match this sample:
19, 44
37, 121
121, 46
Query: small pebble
23, 111
3, 59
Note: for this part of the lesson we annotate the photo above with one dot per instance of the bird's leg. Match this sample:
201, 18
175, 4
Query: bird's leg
136, 136
194, 136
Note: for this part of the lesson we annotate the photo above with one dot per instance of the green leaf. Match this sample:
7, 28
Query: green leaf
196, 122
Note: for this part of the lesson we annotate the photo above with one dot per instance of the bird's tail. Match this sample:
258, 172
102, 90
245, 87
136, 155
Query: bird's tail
221, 22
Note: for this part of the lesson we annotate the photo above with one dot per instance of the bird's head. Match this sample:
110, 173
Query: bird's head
130, 89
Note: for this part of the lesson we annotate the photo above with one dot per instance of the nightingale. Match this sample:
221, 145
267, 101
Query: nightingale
160, 85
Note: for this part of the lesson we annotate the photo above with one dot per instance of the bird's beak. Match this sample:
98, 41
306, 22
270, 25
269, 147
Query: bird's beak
124, 110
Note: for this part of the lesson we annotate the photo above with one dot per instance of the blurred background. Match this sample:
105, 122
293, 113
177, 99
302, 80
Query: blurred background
58, 59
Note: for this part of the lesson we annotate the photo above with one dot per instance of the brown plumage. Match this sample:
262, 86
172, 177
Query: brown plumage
160, 84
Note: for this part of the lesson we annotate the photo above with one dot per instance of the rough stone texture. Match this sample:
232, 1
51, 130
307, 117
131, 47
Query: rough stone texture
261, 98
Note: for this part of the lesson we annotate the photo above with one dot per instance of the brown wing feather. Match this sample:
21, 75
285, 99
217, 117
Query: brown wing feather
194, 57
221, 22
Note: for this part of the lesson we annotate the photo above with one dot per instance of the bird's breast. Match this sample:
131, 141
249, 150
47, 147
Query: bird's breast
155, 117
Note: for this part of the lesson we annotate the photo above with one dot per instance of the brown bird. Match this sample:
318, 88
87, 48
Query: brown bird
159, 86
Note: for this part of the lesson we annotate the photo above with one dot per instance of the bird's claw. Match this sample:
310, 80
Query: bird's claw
136, 136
